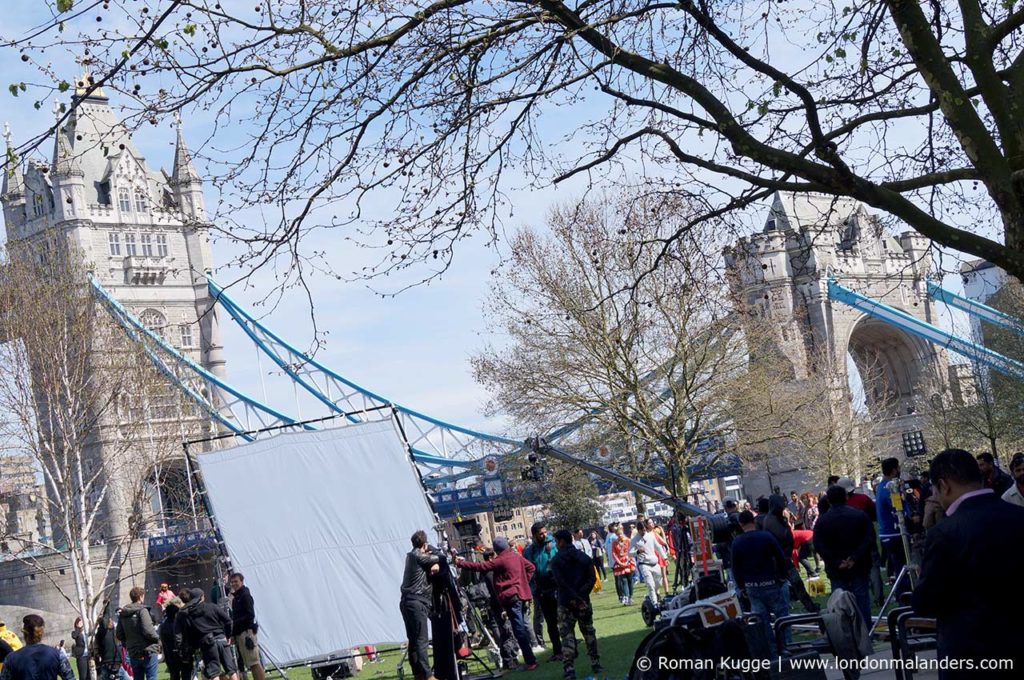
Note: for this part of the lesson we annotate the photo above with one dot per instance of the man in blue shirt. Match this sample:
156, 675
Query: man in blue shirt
759, 567
540, 552
888, 523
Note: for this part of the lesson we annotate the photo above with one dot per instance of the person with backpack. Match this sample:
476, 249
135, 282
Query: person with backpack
36, 661
136, 631
206, 629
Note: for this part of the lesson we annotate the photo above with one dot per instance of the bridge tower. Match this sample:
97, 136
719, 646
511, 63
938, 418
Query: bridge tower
781, 274
143, 233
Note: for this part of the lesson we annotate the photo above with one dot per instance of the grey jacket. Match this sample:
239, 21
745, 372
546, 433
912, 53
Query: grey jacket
846, 631
135, 629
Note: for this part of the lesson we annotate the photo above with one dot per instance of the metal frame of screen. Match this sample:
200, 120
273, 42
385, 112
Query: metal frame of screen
224, 560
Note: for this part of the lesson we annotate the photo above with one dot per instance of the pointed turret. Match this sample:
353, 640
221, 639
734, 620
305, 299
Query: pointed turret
65, 162
14, 181
185, 181
184, 171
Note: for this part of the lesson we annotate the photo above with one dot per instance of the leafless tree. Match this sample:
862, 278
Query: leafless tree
436, 110
650, 363
84, 404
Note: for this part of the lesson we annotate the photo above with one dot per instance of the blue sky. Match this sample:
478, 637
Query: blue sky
413, 347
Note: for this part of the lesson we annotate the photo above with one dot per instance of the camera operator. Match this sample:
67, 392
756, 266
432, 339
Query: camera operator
420, 562
483, 595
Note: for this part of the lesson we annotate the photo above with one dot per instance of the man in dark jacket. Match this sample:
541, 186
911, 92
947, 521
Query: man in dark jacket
776, 524
420, 564
136, 631
979, 543
105, 653
991, 476
206, 630
512, 574
759, 568
244, 627
166, 632
185, 652
574, 574
843, 537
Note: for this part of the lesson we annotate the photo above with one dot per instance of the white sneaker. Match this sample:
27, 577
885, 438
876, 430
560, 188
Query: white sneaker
538, 649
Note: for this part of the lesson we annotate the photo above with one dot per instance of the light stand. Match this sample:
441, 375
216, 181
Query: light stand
909, 568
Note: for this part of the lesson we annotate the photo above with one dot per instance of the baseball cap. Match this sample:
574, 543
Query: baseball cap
846, 483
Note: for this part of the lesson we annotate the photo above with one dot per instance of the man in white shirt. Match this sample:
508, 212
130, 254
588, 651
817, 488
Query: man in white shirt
645, 549
581, 543
1015, 494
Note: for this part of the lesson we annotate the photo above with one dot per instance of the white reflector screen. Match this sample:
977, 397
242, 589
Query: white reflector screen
319, 524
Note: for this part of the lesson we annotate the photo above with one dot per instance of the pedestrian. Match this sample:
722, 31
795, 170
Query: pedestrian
165, 595
1015, 494
759, 568
665, 553
539, 553
796, 510
580, 542
843, 538
36, 661
597, 554
889, 524
863, 502
205, 630
646, 550
978, 544
609, 543
856, 499
622, 566
105, 653
165, 631
420, 563
994, 478
136, 631
573, 571
244, 626
512, 575
810, 502
763, 506
80, 648
185, 651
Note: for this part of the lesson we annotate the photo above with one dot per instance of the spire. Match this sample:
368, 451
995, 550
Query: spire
83, 84
14, 183
65, 162
184, 172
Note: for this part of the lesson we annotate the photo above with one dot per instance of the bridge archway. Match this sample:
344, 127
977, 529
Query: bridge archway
894, 368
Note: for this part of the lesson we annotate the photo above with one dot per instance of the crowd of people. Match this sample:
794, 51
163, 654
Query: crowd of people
194, 636
961, 519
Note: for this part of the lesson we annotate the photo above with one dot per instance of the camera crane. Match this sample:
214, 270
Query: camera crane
719, 523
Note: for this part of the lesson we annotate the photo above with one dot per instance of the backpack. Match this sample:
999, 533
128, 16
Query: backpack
12, 639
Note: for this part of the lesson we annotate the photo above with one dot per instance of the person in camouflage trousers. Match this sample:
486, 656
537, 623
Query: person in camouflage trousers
574, 574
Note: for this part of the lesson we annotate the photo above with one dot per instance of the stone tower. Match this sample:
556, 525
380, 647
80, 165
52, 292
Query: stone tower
142, 232
782, 273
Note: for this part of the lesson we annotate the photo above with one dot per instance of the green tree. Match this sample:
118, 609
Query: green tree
570, 499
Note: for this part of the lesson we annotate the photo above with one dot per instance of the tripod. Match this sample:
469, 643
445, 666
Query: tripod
909, 568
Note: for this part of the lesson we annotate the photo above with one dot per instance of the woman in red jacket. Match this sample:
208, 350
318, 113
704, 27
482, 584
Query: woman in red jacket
622, 565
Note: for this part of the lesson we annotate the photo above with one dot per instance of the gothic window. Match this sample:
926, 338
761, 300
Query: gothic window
37, 205
114, 239
153, 320
141, 202
130, 248
124, 199
161, 245
186, 335
147, 245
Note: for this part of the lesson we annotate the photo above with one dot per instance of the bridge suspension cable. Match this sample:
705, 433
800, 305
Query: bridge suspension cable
933, 334
975, 308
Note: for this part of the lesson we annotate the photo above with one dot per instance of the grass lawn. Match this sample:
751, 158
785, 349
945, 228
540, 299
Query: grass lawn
619, 631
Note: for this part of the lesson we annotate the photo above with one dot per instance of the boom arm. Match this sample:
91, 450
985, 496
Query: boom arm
539, 446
